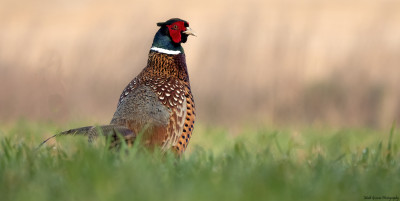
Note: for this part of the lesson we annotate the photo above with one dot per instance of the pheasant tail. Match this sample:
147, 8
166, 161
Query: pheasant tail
92, 132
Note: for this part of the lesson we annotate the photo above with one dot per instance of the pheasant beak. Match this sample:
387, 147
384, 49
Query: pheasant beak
189, 31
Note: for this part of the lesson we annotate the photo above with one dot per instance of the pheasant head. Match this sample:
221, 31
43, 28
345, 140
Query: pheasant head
171, 34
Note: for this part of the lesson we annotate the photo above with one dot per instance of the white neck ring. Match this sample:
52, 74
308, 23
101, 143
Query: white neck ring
165, 51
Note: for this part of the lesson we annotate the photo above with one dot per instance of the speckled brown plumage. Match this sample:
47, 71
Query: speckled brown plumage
165, 77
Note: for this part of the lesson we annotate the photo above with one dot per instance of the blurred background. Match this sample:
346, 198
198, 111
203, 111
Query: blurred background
277, 62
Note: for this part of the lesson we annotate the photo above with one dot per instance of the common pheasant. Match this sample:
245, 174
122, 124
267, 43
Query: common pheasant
158, 103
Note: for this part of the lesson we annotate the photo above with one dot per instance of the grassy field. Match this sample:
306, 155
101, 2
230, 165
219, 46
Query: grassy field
284, 63
255, 164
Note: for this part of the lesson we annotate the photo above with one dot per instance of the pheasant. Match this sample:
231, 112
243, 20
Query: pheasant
158, 102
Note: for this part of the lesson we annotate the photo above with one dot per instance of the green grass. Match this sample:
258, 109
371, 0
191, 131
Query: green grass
257, 164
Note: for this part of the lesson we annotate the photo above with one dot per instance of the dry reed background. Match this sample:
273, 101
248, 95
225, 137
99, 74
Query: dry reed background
286, 62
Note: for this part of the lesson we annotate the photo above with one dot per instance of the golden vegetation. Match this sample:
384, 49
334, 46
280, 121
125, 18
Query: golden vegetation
280, 62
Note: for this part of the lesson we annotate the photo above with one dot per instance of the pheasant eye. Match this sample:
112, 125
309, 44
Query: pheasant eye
175, 27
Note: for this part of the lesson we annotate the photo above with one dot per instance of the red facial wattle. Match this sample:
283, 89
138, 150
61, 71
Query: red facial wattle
175, 30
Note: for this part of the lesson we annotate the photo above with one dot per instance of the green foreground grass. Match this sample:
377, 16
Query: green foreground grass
258, 164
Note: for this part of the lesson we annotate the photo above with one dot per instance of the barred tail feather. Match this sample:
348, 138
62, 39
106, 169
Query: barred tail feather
93, 131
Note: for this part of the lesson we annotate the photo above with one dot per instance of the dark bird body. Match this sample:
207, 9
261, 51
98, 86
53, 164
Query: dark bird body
158, 102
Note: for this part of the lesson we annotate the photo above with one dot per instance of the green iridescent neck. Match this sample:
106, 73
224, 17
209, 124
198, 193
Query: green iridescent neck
163, 43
